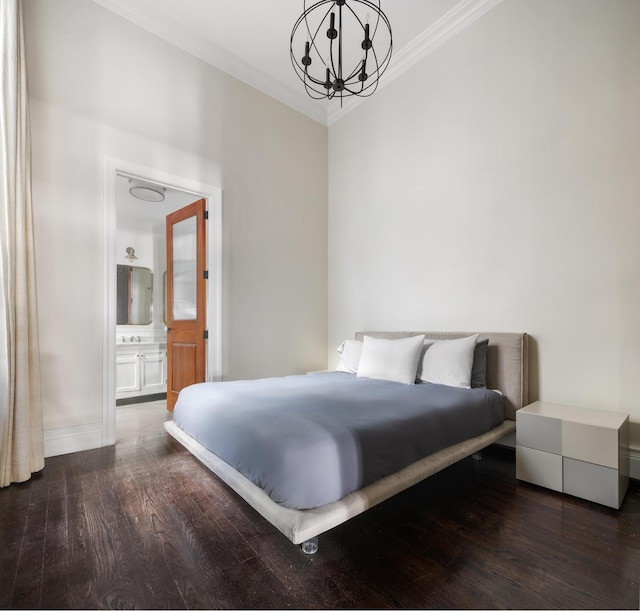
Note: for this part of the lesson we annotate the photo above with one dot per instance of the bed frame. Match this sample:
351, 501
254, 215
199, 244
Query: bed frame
507, 370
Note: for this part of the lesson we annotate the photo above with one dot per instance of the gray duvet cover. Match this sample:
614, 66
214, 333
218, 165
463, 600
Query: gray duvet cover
309, 440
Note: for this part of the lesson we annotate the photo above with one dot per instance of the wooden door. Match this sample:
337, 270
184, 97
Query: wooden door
186, 299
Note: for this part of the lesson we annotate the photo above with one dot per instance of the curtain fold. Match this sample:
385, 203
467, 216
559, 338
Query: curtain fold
21, 434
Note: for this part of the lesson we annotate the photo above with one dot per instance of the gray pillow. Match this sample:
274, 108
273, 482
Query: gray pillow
479, 369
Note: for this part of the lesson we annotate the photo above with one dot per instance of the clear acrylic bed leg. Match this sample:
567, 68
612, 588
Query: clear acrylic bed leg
477, 456
310, 546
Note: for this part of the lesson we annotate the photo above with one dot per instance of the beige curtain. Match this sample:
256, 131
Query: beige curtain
21, 440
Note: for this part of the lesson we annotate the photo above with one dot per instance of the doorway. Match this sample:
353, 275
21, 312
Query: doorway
135, 339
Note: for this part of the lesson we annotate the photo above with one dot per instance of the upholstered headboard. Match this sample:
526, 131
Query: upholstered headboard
507, 361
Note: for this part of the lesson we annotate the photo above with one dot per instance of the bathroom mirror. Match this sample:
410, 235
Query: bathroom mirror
135, 295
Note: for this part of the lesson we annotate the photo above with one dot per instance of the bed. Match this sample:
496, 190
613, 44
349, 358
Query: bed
348, 477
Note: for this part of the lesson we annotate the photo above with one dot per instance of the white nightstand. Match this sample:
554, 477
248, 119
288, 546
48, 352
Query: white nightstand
583, 452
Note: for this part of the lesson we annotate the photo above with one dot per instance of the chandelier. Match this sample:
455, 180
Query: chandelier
343, 47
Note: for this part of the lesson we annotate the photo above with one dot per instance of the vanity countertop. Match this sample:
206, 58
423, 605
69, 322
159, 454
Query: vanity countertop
144, 341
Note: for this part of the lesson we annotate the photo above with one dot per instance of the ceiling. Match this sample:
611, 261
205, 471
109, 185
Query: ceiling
249, 39
130, 211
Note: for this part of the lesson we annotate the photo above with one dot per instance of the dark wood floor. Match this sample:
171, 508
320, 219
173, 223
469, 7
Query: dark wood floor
143, 525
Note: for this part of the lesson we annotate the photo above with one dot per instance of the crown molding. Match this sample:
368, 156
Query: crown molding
459, 17
218, 57
452, 22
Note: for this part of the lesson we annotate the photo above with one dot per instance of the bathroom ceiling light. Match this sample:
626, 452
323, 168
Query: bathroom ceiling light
147, 192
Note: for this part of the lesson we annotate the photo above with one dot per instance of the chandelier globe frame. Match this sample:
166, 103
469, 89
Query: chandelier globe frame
319, 47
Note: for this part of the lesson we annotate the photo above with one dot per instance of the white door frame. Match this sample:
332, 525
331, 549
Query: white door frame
112, 168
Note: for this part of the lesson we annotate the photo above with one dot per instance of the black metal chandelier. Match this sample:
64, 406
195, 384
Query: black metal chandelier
344, 46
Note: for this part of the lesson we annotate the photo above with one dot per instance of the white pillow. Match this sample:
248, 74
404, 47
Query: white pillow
349, 351
390, 359
448, 361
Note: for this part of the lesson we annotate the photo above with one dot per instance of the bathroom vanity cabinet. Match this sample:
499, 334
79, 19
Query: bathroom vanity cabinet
140, 369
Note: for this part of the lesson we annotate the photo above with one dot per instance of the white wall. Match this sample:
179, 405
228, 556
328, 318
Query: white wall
495, 186
101, 87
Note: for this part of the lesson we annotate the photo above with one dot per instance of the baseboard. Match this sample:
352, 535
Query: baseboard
159, 396
508, 441
634, 464
72, 439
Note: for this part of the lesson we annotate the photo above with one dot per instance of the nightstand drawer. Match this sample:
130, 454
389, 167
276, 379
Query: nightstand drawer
590, 443
539, 432
580, 451
593, 482
537, 467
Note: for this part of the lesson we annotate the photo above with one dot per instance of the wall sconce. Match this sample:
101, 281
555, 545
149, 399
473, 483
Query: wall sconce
131, 254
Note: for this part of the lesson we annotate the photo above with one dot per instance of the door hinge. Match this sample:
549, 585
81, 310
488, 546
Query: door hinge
205, 274
206, 215
205, 334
